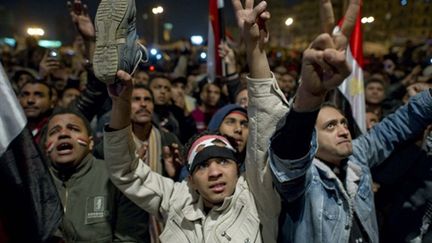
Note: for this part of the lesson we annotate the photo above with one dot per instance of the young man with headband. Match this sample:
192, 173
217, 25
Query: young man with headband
216, 203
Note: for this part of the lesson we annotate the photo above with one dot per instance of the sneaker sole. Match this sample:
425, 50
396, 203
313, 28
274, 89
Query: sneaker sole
109, 16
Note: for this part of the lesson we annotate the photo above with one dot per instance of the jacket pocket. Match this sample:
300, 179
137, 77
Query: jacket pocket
332, 207
245, 229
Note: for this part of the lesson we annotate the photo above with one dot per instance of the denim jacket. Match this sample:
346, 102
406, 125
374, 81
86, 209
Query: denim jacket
318, 208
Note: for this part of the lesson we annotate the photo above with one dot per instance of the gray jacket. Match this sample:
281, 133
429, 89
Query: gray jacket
238, 219
94, 210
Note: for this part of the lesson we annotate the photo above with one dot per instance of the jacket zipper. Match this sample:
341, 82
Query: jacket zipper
66, 198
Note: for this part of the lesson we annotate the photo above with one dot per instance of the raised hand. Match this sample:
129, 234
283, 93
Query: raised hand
48, 64
228, 56
142, 152
123, 88
172, 159
252, 21
324, 62
416, 88
120, 93
82, 20
252, 24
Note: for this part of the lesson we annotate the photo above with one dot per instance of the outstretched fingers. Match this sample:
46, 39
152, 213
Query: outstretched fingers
327, 16
260, 8
249, 4
237, 5
350, 17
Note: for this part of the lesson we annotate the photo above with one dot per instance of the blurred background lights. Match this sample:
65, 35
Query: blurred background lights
197, 39
153, 51
34, 31
203, 55
289, 21
367, 20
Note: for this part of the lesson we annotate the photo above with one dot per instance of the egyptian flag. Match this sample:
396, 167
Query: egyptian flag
216, 34
30, 209
353, 87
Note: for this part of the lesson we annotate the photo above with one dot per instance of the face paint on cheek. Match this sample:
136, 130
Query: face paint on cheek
49, 147
83, 142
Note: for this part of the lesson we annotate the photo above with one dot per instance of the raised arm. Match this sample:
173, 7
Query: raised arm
128, 172
95, 94
324, 67
252, 24
267, 106
80, 17
407, 122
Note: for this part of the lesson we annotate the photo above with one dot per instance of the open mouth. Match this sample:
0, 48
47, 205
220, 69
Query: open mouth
64, 148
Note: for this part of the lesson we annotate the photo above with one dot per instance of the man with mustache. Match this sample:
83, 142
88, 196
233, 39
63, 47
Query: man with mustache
94, 210
146, 134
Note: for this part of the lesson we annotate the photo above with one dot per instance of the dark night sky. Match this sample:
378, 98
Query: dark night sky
188, 16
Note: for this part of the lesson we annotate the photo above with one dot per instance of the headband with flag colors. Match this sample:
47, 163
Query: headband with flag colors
209, 146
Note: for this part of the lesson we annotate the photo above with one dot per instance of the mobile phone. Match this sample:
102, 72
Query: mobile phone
53, 53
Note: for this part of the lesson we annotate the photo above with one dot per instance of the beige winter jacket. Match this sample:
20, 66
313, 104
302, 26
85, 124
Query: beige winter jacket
238, 219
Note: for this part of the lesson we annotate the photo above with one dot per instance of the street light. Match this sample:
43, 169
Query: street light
367, 20
34, 31
156, 12
289, 21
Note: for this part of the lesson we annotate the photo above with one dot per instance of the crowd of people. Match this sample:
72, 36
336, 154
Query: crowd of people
145, 152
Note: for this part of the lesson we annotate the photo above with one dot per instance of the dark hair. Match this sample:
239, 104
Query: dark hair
181, 80
61, 93
145, 87
153, 78
36, 81
329, 104
240, 89
374, 80
62, 111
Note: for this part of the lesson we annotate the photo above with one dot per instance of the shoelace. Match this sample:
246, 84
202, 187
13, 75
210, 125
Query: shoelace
141, 60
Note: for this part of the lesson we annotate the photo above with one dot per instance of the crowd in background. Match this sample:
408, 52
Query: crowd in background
184, 103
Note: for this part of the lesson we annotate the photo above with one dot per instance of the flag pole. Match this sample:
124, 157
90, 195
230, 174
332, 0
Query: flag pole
221, 6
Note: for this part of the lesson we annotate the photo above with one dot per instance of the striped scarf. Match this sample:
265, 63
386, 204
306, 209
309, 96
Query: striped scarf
153, 159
